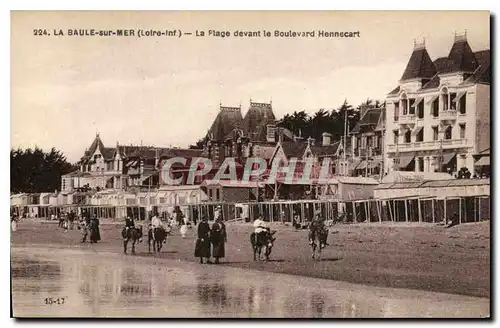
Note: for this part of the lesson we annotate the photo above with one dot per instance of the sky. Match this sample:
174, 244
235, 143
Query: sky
166, 91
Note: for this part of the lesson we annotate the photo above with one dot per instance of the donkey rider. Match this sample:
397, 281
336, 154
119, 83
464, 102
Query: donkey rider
155, 224
261, 228
129, 224
318, 226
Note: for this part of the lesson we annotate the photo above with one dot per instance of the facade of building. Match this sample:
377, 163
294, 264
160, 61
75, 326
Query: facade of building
438, 115
367, 143
232, 135
119, 167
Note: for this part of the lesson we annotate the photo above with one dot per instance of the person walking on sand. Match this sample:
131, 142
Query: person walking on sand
202, 247
219, 238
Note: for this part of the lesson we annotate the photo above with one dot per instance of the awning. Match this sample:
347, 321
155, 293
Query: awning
483, 161
430, 101
416, 130
373, 165
403, 129
131, 163
404, 161
447, 157
443, 127
459, 96
362, 165
417, 102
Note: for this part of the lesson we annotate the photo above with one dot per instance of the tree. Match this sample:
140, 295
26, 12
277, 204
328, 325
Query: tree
36, 170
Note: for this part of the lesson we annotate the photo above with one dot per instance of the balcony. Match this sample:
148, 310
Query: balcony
448, 115
428, 145
363, 152
407, 119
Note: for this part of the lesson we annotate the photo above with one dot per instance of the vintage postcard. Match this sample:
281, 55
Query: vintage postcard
186, 164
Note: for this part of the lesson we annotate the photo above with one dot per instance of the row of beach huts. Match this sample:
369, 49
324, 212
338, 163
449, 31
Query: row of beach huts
399, 197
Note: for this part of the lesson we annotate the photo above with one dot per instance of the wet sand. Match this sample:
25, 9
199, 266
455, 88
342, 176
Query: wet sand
422, 257
86, 283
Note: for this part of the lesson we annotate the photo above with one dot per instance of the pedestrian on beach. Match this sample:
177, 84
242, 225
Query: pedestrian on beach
219, 238
95, 234
202, 247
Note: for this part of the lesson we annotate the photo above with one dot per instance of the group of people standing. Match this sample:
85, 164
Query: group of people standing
211, 240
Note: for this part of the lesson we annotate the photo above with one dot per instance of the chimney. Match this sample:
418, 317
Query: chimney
271, 133
156, 157
327, 138
141, 167
299, 137
310, 141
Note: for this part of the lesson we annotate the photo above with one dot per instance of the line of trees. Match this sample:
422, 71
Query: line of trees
33, 170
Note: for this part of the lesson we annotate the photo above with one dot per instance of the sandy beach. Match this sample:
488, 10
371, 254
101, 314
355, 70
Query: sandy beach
423, 257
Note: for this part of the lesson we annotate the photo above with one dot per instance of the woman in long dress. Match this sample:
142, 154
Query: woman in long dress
202, 247
218, 238
95, 235
184, 227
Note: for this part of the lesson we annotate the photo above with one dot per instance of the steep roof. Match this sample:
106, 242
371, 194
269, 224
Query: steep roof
293, 149
461, 58
483, 72
96, 144
420, 65
328, 150
181, 152
256, 120
228, 119
395, 91
369, 121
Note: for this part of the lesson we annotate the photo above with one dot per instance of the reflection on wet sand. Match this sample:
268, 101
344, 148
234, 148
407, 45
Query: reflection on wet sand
98, 285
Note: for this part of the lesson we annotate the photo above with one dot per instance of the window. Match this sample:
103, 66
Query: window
447, 133
420, 136
462, 131
411, 104
420, 109
444, 99
395, 134
453, 104
463, 104
404, 104
420, 163
368, 142
396, 111
435, 133
210, 194
435, 108
408, 136
375, 141
217, 194
363, 142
